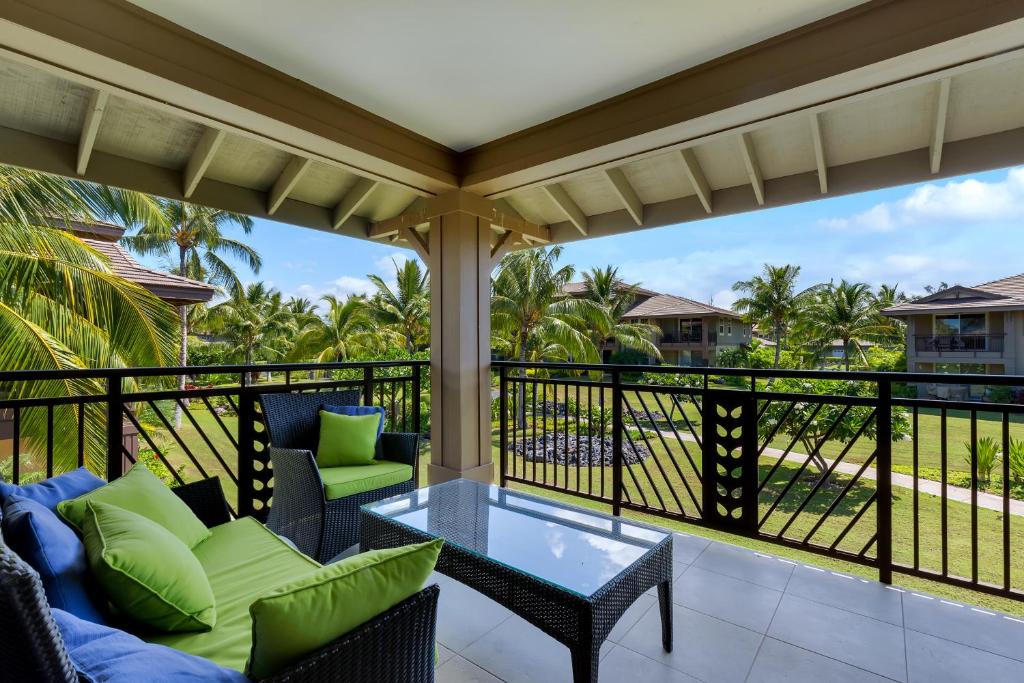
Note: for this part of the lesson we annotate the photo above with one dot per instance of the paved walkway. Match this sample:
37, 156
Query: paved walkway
988, 501
741, 616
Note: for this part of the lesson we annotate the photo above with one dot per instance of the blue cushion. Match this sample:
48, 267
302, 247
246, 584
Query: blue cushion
104, 654
359, 410
54, 490
54, 550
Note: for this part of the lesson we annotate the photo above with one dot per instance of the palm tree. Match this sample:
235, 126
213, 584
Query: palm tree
255, 323
847, 312
405, 309
345, 332
770, 301
193, 236
890, 330
614, 298
529, 311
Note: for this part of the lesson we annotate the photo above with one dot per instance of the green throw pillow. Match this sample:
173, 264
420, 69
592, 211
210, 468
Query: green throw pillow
145, 571
140, 491
347, 439
305, 615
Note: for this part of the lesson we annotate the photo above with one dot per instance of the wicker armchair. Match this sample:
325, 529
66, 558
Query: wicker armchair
393, 647
300, 510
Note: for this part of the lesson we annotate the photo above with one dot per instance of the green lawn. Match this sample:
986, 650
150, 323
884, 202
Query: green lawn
664, 476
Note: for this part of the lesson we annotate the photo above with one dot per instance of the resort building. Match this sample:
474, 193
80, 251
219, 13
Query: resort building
973, 330
692, 333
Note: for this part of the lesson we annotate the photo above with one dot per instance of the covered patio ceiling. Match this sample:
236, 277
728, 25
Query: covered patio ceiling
838, 97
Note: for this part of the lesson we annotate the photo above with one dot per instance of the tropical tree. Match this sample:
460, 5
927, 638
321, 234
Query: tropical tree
344, 332
529, 312
62, 307
193, 237
890, 330
255, 324
613, 299
770, 301
847, 312
406, 308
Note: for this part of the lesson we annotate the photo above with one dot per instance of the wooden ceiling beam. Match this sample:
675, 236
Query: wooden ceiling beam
753, 168
286, 182
567, 206
200, 160
696, 175
819, 152
626, 194
353, 199
90, 128
417, 241
939, 125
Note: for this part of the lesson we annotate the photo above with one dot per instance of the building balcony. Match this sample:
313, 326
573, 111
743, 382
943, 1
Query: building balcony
960, 345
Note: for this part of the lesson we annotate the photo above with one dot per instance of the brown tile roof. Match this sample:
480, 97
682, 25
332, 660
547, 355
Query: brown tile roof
578, 288
1006, 294
670, 305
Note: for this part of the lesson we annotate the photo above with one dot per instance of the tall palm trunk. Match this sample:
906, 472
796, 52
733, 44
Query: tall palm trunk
521, 412
846, 353
778, 346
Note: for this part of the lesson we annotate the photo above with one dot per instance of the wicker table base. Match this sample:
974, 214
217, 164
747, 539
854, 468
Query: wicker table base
582, 623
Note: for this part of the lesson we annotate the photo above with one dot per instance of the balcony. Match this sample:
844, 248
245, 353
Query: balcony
961, 345
694, 450
686, 338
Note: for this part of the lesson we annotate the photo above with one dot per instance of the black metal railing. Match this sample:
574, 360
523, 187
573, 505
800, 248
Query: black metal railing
959, 343
682, 338
791, 457
53, 421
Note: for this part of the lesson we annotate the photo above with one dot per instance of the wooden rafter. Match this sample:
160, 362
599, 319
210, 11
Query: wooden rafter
625, 192
352, 200
286, 182
417, 241
90, 127
200, 160
696, 175
819, 151
939, 125
567, 206
753, 169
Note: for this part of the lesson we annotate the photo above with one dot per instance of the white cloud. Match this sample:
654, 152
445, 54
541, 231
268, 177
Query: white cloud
958, 201
700, 275
387, 263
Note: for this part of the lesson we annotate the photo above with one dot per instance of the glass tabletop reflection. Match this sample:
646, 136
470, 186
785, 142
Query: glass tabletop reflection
573, 548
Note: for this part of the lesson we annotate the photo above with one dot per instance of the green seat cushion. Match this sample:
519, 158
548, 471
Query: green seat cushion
346, 481
347, 439
242, 560
148, 574
310, 612
140, 491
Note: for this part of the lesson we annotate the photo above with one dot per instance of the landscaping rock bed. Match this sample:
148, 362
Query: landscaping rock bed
555, 448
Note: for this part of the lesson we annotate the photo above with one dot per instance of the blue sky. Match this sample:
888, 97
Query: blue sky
966, 230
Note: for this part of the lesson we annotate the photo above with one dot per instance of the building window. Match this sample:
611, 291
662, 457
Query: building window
960, 324
728, 328
960, 368
721, 328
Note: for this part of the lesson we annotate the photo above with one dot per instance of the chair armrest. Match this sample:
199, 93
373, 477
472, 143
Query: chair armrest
298, 505
396, 646
399, 447
206, 499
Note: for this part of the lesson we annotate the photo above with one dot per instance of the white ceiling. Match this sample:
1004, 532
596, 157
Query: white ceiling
464, 72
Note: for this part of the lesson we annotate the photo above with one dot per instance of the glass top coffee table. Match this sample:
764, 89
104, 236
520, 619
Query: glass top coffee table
570, 572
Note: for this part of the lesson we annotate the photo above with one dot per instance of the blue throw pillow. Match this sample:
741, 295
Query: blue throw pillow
103, 654
54, 490
54, 550
359, 410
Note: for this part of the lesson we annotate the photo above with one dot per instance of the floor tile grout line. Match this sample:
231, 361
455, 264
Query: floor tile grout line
838, 661
906, 648
764, 636
968, 645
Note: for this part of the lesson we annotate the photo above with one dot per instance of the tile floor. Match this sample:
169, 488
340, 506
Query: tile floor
745, 616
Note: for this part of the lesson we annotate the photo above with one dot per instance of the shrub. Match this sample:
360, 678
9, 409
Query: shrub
1016, 458
988, 456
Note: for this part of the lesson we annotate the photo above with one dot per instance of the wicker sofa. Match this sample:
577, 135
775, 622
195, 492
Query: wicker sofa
305, 509
397, 645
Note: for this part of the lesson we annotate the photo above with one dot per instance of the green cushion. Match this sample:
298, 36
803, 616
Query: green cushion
140, 491
347, 439
145, 571
346, 481
242, 560
310, 612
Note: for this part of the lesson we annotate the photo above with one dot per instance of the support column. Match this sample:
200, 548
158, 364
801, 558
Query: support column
460, 348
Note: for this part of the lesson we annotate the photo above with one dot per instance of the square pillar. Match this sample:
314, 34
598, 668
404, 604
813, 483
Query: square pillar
460, 347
